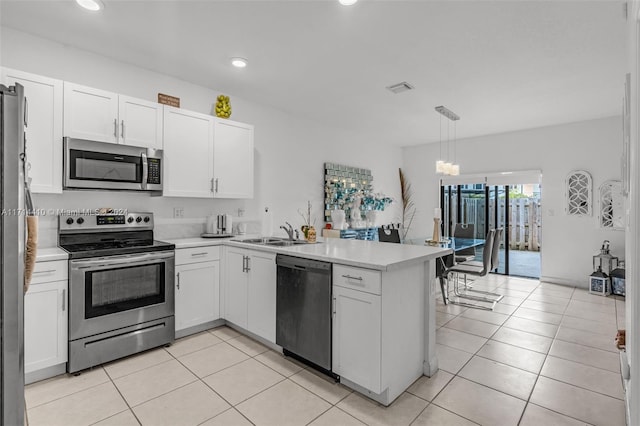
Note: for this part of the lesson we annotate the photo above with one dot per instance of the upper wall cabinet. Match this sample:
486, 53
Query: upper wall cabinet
140, 122
44, 130
188, 154
99, 115
206, 157
232, 159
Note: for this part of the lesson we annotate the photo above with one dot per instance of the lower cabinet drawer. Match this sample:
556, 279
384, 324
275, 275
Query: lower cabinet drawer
360, 279
197, 254
46, 272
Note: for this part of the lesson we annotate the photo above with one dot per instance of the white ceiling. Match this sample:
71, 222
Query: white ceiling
500, 65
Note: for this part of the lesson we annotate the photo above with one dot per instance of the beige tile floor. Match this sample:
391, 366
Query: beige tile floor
544, 356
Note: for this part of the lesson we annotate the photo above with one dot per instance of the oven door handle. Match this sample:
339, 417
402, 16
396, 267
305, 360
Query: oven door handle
120, 260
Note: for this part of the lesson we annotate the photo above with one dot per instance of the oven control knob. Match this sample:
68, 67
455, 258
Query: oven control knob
130, 219
80, 221
69, 221
138, 219
146, 219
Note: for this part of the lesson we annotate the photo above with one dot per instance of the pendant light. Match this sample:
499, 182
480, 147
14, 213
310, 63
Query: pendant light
440, 163
442, 167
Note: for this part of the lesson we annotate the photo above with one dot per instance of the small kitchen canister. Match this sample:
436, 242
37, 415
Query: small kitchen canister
311, 234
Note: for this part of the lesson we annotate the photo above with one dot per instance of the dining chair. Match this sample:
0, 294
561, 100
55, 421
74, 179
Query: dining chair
388, 235
465, 230
495, 262
479, 271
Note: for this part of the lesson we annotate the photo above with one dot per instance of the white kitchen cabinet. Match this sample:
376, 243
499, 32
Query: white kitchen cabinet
90, 113
197, 287
188, 154
44, 130
261, 294
45, 320
250, 291
357, 337
140, 122
104, 116
232, 159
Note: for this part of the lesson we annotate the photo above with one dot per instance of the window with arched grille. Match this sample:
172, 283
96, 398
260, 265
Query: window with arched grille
578, 191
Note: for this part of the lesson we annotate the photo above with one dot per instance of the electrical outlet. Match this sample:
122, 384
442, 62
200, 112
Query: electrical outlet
178, 212
240, 212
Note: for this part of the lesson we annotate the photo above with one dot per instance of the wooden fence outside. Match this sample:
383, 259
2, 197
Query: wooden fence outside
524, 220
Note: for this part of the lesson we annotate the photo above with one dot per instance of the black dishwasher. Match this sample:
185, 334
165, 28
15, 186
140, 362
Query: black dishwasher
303, 310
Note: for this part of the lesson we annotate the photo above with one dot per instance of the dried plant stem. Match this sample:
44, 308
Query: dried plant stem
408, 208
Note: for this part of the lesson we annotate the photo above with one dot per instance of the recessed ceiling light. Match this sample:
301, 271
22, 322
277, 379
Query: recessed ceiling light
347, 2
239, 62
92, 5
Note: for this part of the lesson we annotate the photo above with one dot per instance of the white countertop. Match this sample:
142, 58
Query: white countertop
49, 254
364, 254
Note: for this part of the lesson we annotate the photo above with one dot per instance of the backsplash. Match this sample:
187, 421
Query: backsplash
166, 226
164, 229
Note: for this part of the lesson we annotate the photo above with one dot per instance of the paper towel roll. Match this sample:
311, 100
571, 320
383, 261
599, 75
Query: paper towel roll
211, 224
229, 225
267, 223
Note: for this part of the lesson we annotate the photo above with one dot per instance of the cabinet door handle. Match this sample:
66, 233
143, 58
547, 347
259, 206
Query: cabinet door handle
349, 277
115, 128
26, 112
216, 191
64, 299
122, 130
48, 271
212, 190
244, 263
199, 254
248, 268
334, 306
178, 280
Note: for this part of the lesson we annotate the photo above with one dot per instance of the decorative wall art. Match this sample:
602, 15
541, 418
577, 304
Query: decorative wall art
341, 185
625, 167
579, 193
611, 205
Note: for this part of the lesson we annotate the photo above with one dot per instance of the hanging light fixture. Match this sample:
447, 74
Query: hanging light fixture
440, 163
448, 168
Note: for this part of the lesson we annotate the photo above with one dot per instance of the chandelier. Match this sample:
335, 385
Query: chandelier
448, 167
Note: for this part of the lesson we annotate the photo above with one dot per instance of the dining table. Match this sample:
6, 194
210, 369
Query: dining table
445, 262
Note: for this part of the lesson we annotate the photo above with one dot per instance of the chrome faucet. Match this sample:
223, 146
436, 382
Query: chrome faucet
288, 230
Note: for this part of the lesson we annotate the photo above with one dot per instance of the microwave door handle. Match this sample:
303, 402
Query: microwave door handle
145, 170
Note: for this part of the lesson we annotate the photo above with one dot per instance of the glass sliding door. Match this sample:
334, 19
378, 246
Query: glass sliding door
514, 207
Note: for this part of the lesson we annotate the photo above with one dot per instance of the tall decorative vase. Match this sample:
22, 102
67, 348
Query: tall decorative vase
338, 219
436, 229
372, 218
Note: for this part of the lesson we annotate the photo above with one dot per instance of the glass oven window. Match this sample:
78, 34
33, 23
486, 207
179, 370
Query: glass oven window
120, 289
88, 165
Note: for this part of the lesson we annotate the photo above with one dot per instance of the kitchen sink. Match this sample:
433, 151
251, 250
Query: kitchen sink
285, 243
271, 241
261, 240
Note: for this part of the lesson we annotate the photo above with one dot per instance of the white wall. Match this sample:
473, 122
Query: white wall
568, 242
289, 152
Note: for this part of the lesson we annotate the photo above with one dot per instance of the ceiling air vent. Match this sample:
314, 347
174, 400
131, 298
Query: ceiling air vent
400, 87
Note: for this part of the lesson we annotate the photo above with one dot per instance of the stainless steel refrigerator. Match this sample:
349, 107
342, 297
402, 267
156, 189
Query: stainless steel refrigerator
12, 251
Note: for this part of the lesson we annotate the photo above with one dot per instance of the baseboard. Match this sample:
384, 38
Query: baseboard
566, 282
198, 328
45, 373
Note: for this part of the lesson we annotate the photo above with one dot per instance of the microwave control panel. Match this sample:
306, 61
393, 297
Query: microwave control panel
153, 175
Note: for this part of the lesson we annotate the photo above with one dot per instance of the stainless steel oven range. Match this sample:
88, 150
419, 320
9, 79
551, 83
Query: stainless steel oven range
121, 296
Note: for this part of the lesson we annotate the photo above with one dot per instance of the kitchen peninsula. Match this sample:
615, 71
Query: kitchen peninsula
383, 304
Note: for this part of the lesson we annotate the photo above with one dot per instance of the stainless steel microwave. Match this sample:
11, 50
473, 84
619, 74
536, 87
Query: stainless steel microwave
110, 166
